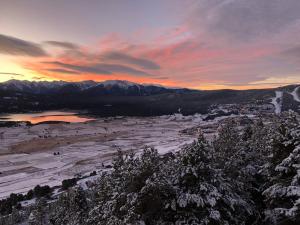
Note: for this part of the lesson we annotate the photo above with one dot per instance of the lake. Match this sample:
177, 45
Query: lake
34, 118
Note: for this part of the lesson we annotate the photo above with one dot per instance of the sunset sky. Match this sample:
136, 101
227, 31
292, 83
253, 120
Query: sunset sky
202, 44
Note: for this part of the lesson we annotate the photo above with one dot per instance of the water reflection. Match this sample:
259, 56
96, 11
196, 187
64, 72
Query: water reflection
34, 118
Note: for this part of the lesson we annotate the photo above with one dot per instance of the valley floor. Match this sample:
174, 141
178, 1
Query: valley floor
28, 154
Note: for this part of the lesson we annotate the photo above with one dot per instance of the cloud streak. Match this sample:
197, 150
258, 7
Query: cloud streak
18, 47
98, 68
13, 74
62, 44
56, 70
293, 52
80, 68
128, 59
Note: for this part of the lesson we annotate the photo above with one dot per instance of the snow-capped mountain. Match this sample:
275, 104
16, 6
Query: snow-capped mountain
120, 83
41, 86
105, 87
30, 87
119, 97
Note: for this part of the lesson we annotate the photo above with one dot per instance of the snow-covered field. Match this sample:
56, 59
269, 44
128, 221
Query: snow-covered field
27, 153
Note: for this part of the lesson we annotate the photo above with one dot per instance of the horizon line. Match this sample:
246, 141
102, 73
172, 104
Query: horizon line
280, 85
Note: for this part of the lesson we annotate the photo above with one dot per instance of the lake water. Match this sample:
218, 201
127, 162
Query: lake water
34, 118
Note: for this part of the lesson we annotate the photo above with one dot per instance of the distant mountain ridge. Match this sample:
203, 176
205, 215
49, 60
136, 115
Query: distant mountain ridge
113, 87
117, 97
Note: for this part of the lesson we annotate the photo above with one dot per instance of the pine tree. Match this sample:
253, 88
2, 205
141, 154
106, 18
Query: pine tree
204, 196
78, 207
282, 195
15, 216
70, 209
39, 215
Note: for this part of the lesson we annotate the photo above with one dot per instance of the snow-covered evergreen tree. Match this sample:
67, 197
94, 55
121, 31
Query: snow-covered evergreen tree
204, 196
70, 209
39, 214
118, 192
282, 196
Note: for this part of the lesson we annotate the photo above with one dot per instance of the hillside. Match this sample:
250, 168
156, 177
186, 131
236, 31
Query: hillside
112, 98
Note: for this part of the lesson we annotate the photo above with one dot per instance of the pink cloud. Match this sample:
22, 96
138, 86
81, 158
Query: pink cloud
183, 59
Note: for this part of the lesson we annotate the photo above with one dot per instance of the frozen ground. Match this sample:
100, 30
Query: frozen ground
27, 153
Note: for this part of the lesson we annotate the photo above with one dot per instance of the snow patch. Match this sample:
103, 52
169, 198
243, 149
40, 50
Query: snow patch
295, 95
277, 101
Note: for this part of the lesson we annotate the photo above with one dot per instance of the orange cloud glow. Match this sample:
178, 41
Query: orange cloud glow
175, 58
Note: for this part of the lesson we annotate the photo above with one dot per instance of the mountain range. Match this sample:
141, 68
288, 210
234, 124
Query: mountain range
117, 97
109, 87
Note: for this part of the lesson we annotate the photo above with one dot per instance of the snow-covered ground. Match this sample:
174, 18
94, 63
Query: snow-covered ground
277, 101
27, 153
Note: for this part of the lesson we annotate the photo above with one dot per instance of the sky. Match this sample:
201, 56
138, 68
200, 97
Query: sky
200, 44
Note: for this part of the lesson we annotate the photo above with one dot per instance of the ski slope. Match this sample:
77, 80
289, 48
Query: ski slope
277, 101
295, 94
